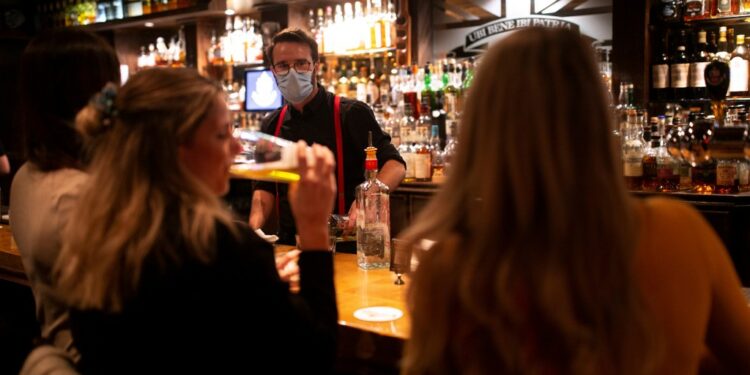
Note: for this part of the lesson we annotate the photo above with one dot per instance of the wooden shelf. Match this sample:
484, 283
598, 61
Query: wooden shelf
741, 19
170, 18
361, 52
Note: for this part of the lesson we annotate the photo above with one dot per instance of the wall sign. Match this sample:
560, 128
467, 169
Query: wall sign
478, 38
460, 33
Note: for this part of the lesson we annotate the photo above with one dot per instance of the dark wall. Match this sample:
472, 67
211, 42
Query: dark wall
17, 27
630, 45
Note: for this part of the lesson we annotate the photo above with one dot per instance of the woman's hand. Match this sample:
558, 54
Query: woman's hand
311, 198
286, 265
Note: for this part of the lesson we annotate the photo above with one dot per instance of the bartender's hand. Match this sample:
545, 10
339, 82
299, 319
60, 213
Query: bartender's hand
311, 198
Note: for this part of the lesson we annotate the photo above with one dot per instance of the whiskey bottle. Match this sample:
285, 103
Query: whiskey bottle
373, 217
649, 182
727, 178
679, 69
407, 126
698, 65
738, 69
669, 11
722, 49
667, 171
724, 8
632, 153
659, 73
696, 10
438, 161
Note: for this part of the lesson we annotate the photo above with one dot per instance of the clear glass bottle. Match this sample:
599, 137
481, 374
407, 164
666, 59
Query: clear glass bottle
438, 162
632, 153
408, 126
373, 217
667, 171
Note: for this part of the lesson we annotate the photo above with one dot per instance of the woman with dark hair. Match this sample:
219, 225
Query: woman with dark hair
60, 71
159, 277
543, 262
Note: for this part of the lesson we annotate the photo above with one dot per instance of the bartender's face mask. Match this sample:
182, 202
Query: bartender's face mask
294, 71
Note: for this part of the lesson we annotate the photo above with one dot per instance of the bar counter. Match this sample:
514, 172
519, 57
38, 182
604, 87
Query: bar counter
376, 346
355, 288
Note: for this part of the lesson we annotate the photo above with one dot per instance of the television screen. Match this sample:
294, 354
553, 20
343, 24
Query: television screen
261, 92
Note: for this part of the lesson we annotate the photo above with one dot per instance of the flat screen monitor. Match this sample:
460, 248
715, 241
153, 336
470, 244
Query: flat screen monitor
261, 92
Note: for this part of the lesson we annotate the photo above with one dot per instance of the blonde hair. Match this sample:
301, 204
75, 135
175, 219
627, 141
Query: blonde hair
139, 201
535, 231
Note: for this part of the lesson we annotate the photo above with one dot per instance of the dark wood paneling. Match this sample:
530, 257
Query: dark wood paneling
630, 45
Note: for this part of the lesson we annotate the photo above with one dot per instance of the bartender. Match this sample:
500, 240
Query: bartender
316, 116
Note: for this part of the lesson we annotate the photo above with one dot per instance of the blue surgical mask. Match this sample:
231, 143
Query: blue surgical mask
295, 87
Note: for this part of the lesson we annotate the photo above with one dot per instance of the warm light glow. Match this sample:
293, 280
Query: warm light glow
229, 12
149, 24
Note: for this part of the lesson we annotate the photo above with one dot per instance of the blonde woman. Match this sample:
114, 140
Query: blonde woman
159, 277
544, 263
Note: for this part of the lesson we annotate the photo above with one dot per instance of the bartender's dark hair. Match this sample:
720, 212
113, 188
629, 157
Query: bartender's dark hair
60, 71
294, 35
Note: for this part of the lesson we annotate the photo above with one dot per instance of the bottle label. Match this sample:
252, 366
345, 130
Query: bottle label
697, 78
724, 6
667, 11
743, 174
410, 165
438, 174
660, 75
422, 166
680, 75
633, 168
726, 174
694, 7
738, 70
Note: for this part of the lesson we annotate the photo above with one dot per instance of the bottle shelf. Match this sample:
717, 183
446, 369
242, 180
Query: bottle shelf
733, 99
365, 52
159, 19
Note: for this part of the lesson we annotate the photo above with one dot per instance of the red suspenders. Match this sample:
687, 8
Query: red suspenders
339, 152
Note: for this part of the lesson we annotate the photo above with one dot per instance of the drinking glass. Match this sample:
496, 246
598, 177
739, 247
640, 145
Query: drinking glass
265, 157
336, 226
400, 259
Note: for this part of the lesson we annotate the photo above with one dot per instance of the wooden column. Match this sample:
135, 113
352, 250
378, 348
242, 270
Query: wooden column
630, 46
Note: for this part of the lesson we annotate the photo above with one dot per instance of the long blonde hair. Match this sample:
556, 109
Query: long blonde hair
535, 231
139, 200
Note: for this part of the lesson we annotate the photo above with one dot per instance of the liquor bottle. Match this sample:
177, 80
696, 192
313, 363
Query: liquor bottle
712, 46
632, 153
669, 11
407, 126
738, 69
727, 178
667, 171
722, 49
438, 162
724, 8
649, 182
744, 6
469, 69
698, 65
659, 73
679, 69
422, 154
696, 10
373, 217
134, 8
146, 6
